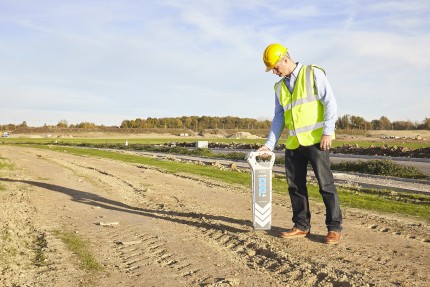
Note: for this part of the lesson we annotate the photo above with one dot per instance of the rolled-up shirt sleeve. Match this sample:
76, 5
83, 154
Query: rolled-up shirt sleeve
277, 126
326, 96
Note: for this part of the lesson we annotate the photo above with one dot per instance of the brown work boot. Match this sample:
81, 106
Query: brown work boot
294, 233
333, 237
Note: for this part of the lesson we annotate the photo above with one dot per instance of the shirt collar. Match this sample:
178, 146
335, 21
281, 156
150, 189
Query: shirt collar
296, 71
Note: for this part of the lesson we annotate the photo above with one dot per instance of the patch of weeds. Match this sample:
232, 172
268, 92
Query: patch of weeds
40, 246
7, 251
380, 167
5, 234
79, 247
4, 164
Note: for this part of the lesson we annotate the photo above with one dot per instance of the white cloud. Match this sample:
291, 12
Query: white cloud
396, 51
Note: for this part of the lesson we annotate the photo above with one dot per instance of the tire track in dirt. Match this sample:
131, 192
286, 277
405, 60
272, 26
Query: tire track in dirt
254, 252
258, 254
136, 250
139, 250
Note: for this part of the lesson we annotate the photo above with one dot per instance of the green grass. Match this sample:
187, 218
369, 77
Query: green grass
4, 164
375, 200
386, 204
106, 141
79, 247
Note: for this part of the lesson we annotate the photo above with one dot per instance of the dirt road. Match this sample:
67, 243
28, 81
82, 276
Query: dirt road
179, 230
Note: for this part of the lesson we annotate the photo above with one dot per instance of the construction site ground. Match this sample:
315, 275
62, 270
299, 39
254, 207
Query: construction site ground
150, 228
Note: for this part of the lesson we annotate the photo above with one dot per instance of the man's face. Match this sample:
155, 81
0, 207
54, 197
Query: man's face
281, 68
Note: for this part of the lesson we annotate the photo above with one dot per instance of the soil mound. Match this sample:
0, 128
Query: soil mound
243, 135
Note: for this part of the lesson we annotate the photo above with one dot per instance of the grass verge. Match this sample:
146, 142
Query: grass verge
389, 202
78, 246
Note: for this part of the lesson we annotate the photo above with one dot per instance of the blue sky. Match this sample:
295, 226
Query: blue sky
106, 61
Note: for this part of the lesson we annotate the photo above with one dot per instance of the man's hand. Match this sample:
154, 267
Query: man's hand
325, 143
264, 148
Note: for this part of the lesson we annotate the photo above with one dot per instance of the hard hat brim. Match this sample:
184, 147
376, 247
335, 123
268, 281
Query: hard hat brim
268, 69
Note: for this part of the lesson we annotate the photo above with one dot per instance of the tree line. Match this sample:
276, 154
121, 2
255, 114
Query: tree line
61, 124
350, 122
345, 122
196, 123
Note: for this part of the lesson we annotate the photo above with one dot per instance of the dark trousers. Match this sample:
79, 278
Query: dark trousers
296, 162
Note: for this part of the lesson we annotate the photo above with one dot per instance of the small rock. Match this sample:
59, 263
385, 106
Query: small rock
233, 166
216, 164
107, 223
128, 242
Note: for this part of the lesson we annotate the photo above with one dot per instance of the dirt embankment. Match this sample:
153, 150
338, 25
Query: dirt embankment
160, 229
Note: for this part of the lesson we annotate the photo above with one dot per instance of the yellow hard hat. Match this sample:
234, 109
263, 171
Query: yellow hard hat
272, 55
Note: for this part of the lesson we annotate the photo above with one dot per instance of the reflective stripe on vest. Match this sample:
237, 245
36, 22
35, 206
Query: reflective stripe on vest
306, 129
303, 112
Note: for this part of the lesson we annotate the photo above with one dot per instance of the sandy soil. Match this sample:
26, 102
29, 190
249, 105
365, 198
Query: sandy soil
179, 230
401, 133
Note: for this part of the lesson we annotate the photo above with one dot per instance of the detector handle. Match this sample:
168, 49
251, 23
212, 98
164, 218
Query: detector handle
251, 157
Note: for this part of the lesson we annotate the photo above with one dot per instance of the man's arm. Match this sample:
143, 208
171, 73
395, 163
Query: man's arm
276, 128
326, 96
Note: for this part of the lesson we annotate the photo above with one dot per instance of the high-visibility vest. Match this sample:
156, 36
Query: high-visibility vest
303, 110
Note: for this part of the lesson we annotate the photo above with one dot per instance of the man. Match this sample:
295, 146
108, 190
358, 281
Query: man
305, 105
